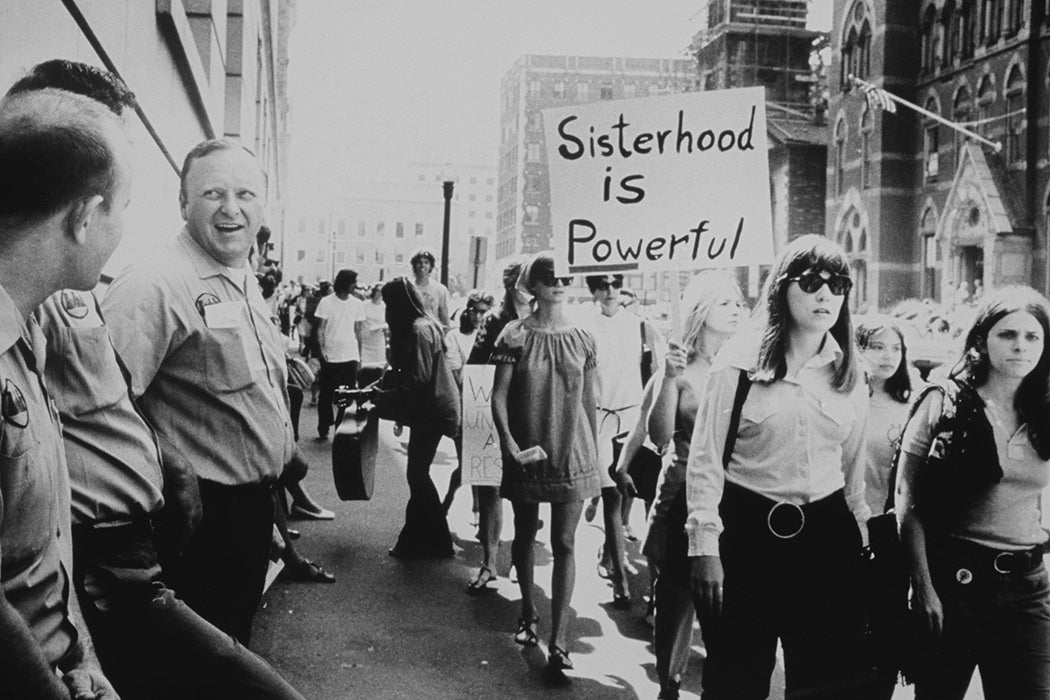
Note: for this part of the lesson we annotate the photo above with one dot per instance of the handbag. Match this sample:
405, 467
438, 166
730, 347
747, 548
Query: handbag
299, 373
644, 467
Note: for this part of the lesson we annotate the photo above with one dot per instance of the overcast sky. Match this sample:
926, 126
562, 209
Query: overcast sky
377, 84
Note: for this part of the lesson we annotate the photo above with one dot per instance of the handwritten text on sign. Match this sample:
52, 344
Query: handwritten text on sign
482, 459
660, 183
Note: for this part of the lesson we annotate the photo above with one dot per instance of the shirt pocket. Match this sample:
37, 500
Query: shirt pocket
28, 501
837, 415
225, 364
88, 378
756, 411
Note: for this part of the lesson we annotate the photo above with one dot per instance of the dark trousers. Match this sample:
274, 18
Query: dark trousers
999, 623
804, 591
333, 374
222, 571
151, 644
425, 533
295, 399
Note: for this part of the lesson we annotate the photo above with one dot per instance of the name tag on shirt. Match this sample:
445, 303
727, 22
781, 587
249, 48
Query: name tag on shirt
226, 314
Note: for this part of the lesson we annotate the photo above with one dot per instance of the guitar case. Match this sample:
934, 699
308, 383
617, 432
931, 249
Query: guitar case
355, 446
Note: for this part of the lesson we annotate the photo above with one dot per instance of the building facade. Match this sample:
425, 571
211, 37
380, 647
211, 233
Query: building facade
199, 69
377, 229
923, 208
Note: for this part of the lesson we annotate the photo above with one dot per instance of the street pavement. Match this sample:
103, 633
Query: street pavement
389, 628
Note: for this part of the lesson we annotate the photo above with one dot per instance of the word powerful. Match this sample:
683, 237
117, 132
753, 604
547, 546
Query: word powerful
585, 243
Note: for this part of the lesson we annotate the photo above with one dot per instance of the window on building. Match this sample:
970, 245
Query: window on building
488, 198
630, 90
605, 91
473, 181
340, 257
856, 45
360, 257
931, 256
419, 229
985, 104
532, 214
931, 140
927, 33
962, 109
490, 181
965, 23
1015, 116
320, 256
863, 63
866, 175
472, 213
853, 238
472, 197
422, 178
993, 20
380, 229
300, 255
488, 215
559, 90
399, 229
950, 30
583, 91
532, 152
379, 257
840, 157
1014, 17
342, 228
534, 88
399, 257
361, 229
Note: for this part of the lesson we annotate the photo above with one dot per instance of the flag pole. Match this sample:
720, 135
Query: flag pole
926, 113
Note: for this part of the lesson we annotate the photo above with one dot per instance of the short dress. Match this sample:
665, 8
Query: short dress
552, 402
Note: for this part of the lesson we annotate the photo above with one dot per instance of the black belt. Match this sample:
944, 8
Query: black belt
783, 519
969, 558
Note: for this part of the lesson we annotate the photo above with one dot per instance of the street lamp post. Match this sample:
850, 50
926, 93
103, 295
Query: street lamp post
448, 183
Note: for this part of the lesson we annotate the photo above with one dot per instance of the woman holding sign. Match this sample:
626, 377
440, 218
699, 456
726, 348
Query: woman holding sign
544, 407
775, 491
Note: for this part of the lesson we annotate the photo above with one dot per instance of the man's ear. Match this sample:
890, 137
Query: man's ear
182, 204
82, 216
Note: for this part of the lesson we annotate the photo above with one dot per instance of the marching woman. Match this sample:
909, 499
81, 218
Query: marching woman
544, 407
885, 354
774, 521
714, 309
423, 395
974, 463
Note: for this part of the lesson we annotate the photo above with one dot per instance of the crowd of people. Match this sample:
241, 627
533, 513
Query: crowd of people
148, 442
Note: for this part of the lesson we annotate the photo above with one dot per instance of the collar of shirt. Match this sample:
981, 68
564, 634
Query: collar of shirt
207, 266
744, 354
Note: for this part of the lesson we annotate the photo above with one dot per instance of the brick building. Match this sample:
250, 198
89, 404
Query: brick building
921, 207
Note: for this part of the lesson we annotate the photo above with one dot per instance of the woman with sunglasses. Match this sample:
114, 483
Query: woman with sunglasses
423, 393
544, 406
774, 523
972, 471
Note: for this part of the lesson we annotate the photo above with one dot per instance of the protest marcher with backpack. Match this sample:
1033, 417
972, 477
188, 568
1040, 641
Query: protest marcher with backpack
775, 491
975, 459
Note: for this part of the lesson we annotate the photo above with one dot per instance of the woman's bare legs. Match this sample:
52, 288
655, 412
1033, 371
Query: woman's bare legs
564, 519
490, 513
526, 516
614, 542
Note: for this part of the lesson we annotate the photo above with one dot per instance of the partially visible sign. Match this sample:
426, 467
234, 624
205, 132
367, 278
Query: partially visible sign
482, 459
671, 182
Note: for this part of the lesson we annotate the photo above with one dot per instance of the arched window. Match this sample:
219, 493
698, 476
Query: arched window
992, 15
840, 157
931, 255
927, 33
854, 240
1014, 17
931, 142
953, 32
866, 176
856, 45
985, 104
1015, 121
962, 110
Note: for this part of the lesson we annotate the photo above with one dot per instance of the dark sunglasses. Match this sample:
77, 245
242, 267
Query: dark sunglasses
550, 280
602, 286
810, 282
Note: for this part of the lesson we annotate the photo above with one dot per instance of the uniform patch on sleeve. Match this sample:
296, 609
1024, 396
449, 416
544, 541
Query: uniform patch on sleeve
13, 405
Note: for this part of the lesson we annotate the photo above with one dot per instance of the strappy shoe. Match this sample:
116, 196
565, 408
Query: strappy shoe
481, 582
526, 632
558, 659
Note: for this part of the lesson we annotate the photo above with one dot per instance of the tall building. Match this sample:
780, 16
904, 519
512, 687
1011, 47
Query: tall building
376, 230
921, 207
199, 69
534, 83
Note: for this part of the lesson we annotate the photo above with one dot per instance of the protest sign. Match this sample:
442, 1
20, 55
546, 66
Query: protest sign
482, 459
671, 182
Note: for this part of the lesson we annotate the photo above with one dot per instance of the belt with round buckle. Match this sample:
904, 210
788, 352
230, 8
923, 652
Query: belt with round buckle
786, 520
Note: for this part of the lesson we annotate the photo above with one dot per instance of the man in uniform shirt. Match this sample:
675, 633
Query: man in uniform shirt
117, 479
208, 366
63, 189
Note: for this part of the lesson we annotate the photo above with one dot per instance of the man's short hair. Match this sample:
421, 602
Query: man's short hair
80, 78
423, 255
55, 150
206, 148
345, 281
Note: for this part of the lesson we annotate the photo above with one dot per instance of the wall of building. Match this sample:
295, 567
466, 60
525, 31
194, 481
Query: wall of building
195, 72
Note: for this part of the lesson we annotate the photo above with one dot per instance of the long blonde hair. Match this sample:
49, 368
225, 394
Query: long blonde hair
698, 298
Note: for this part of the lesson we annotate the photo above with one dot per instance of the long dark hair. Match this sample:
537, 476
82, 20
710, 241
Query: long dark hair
898, 384
403, 308
811, 252
1032, 400
508, 310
